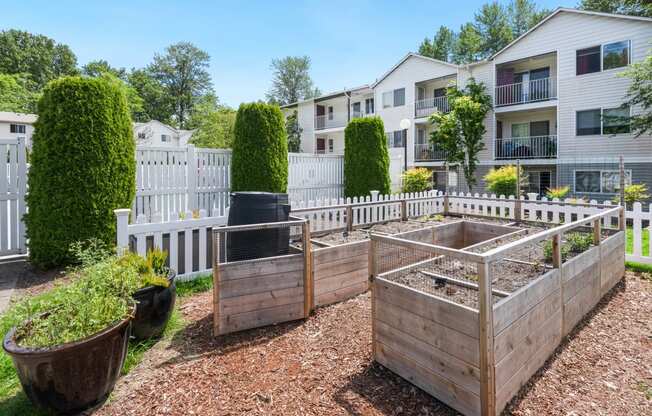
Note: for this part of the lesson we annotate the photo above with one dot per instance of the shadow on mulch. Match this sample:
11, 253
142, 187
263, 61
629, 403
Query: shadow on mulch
28, 279
523, 393
196, 339
387, 394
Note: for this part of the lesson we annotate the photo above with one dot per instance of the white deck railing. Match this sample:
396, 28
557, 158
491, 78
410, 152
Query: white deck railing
526, 92
423, 108
535, 147
360, 114
428, 153
332, 121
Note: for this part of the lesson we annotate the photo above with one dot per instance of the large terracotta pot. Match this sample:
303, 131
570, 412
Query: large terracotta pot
75, 376
155, 305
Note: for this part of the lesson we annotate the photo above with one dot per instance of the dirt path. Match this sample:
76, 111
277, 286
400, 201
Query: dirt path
323, 367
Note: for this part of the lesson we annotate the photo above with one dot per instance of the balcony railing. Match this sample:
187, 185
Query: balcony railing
360, 114
423, 108
536, 147
526, 92
428, 153
330, 121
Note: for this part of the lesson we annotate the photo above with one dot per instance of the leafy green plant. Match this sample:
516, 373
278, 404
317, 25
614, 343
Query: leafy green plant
197, 285
633, 193
260, 150
82, 167
559, 192
366, 158
574, 243
416, 180
502, 181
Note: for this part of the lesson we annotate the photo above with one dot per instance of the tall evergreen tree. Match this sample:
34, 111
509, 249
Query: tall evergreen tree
493, 27
467, 47
631, 7
523, 15
441, 46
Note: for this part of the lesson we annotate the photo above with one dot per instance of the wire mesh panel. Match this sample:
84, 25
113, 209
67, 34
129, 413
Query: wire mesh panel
264, 240
521, 265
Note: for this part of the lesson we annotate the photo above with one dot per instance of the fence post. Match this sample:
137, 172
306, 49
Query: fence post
122, 230
373, 271
349, 218
622, 217
487, 364
308, 289
556, 263
216, 282
22, 192
404, 213
191, 171
517, 203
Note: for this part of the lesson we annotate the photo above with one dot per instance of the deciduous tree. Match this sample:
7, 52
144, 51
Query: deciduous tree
17, 95
631, 7
293, 131
639, 95
291, 80
213, 124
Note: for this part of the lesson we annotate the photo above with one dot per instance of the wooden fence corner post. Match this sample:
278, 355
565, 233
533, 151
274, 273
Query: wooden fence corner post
486, 321
597, 231
373, 271
308, 284
216, 283
349, 217
404, 213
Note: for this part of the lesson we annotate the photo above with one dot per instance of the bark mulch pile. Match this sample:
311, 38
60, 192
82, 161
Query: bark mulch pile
323, 366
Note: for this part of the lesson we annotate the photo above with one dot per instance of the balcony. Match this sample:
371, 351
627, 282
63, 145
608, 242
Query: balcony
330, 121
526, 92
360, 114
423, 108
536, 147
428, 153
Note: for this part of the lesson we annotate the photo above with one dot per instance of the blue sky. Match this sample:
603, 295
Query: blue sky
350, 42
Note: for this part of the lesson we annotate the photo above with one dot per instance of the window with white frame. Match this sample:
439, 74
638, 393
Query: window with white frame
369, 106
603, 121
603, 57
17, 128
165, 138
394, 98
330, 112
330, 146
394, 138
142, 135
600, 181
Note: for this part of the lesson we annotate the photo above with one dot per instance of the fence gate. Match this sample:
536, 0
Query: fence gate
13, 187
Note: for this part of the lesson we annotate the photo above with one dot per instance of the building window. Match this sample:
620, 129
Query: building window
603, 121
588, 60
399, 97
603, 57
615, 120
369, 106
421, 136
17, 128
356, 108
388, 99
597, 181
615, 55
394, 98
142, 135
588, 122
394, 138
330, 146
330, 112
165, 138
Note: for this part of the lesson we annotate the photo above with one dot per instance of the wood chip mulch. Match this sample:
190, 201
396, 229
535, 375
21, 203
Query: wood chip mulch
323, 366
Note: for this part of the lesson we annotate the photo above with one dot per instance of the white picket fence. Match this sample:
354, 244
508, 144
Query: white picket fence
13, 188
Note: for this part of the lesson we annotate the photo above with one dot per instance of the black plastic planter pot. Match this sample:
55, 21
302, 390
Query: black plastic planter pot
155, 304
73, 377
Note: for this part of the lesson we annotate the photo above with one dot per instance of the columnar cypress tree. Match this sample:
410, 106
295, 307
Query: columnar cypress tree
366, 158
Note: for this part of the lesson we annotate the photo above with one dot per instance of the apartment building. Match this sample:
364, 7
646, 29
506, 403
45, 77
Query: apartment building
557, 93
17, 125
157, 134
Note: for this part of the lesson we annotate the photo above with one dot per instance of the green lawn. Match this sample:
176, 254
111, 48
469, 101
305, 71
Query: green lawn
630, 241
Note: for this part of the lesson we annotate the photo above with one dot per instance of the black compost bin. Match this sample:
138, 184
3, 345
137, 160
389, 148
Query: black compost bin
256, 208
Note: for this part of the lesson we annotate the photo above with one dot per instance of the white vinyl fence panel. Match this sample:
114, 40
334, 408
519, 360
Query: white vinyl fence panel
315, 177
13, 186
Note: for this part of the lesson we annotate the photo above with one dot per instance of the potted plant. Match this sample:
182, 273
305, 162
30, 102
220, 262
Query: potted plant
156, 295
69, 344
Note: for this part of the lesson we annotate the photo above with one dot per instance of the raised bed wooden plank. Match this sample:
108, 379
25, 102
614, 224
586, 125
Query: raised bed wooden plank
521, 354
461, 318
613, 261
516, 333
579, 263
247, 268
580, 304
264, 283
329, 254
341, 294
261, 317
437, 335
457, 398
261, 300
345, 265
520, 302
440, 362
340, 281
576, 279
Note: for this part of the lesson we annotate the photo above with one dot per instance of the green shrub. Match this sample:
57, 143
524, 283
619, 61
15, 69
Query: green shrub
575, 243
260, 149
366, 158
502, 181
416, 180
82, 167
633, 193
559, 193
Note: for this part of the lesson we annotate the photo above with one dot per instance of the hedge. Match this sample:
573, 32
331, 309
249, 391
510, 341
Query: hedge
366, 158
260, 151
82, 167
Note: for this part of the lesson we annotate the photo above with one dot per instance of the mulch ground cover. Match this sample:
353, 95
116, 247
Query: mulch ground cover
323, 366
